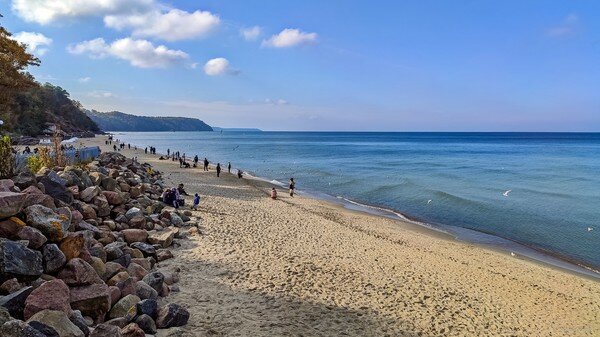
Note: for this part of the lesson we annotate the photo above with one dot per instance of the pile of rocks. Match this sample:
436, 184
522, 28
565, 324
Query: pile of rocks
80, 249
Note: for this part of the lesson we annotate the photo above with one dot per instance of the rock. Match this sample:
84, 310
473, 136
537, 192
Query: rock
172, 315
96, 178
163, 238
134, 235
24, 179
11, 203
108, 184
9, 228
98, 266
112, 269
138, 221
15, 302
88, 212
106, 330
102, 205
54, 258
19, 261
92, 300
113, 198
35, 237
58, 321
146, 323
119, 277
145, 291
34, 196
10, 286
132, 330
136, 271
115, 294
127, 286
76, 217
44, 329
147, 307
135, 191
146, 249
55, 187
7, 185
53, 226
16, 328
51, 295
174, 288
4, 316
77, 272
74, 246
125, 307
176, 220
164, 254
77, 318
133, 212
144, 263
89, 193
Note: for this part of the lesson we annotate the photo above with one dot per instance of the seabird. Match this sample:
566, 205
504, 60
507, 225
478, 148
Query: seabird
506, 193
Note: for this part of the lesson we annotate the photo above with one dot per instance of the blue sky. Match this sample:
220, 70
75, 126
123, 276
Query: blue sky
325, 65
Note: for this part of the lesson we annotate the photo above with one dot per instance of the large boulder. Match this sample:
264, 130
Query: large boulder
93, 300
176, 220
54, 226
102, 205
11, 203
77, 272
34, 196
52, 295
146, 249
172, 315
146, 323
15, 302
19, 261
132, 330
24, 179
56, 187
74, 246
54, 258
58, 321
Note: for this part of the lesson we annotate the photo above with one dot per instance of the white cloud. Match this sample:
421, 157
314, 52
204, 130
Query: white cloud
36, 42
251, 33
568, 27
101, 94
290, 38
173, 25
276, 101
47, 11
139, 53
84, 79
219, 66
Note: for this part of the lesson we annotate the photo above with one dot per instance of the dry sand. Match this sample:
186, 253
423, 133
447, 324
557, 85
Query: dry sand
304, 267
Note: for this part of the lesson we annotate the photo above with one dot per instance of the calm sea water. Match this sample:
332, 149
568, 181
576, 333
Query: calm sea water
455, 179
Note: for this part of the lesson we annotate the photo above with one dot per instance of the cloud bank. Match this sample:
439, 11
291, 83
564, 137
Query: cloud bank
36, 42
290, 38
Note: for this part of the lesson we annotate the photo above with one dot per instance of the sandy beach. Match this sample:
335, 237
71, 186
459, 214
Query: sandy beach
304, 267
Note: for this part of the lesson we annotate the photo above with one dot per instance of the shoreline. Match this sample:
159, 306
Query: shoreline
304, 266
461, 234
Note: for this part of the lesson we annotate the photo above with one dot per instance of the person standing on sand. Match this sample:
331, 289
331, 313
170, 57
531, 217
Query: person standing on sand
229, 167
218, 169
273, 193
292, 187
168, 152
205, 164
240, 174
196, 201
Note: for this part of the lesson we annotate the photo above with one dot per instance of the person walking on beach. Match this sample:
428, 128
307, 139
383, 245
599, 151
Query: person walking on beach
205, 164
292, 187
273, 193
229, 167
218, 169
168, 152
240, 174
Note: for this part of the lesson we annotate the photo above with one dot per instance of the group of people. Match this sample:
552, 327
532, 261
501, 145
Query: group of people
292, 186
151, 149
174, 197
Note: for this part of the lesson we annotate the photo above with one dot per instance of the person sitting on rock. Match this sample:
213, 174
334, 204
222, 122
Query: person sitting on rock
181, 190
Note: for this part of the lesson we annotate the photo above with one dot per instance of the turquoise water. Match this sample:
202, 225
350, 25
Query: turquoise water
454, 179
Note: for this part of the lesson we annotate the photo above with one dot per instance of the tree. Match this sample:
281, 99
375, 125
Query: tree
14, 78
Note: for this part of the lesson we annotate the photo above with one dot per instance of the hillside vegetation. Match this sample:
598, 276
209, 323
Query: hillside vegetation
118, 121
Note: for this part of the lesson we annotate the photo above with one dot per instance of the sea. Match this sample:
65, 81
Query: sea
536, 194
